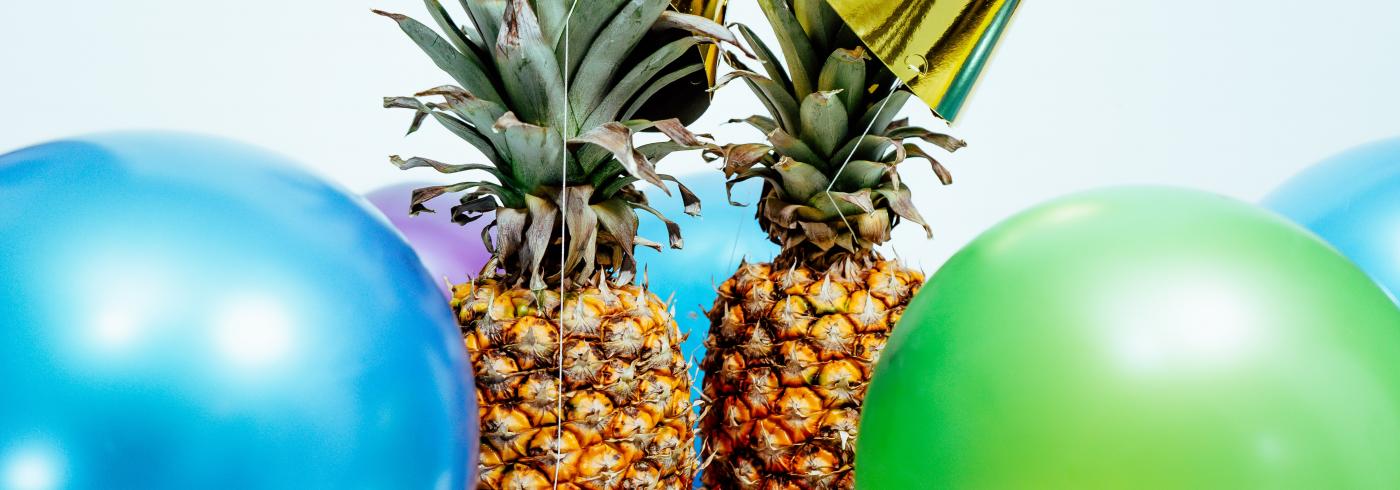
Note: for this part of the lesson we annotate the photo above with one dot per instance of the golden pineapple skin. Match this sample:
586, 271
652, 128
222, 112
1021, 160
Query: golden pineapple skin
789, 355
627, 418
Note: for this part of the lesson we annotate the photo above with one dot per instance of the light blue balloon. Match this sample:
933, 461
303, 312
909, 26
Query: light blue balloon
188, 312
1352, 200
715, 244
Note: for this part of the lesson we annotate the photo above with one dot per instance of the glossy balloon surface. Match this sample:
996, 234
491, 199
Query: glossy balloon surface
451, 252
1139, 338
188, 312
1352, 200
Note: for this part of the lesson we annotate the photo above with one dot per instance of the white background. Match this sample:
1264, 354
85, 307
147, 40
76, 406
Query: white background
1229, 96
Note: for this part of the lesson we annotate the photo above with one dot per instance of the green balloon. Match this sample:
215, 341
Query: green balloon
1139, 338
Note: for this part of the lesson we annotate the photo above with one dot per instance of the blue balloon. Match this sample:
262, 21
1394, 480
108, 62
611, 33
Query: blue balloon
188, 312
715, 244
1352, 200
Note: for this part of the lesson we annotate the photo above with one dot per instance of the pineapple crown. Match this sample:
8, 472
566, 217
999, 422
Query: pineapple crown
549, 94
832, 191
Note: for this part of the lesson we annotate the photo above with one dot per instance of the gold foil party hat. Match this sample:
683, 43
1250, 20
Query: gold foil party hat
936, 47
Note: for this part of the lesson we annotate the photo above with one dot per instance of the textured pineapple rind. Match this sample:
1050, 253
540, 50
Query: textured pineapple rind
626, 404
788, 359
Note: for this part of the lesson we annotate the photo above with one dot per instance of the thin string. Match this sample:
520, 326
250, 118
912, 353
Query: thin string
563, 256
733, 249
893, 87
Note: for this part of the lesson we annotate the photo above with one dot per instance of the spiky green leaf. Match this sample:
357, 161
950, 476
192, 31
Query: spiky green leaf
900, 201
619, 221
789, 146
540, 147
844, 71
655, 86
417, 162
942, 172
741, 157
455, 35
771, 64
869, 147
481, 114
537, 237
688, 198
645, 71
589, 19
527, 63
510, 237
771, 176
824, 122
698, 26
941, 140
608, 50
800, 180
552, 14
419, 116
617, 139
879, 115
462, 67
802, 61
762, 123
418, 201
468, 133
673, 230
582, 223
778, 100
819, 21
486, 17
838, 204
861, 174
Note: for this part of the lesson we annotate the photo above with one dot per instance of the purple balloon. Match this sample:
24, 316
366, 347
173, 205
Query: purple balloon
449, 250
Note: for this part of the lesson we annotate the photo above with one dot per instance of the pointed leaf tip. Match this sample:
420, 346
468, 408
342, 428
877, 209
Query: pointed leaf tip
391, 15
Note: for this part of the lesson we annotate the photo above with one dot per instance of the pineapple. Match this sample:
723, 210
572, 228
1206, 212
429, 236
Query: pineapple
579, 380
792, 343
